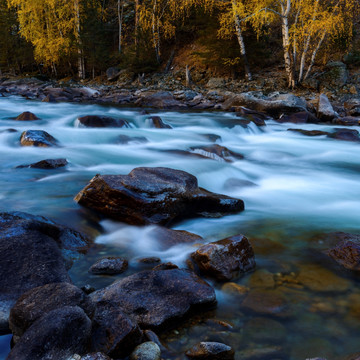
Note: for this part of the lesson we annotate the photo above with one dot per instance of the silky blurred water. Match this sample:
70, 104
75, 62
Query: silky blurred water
293, 187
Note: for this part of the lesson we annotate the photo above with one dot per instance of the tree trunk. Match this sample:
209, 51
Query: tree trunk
189, 81
289, 66
241, 42
155, 32
170, 61
81, 61
120, 11
137, 7
313, 56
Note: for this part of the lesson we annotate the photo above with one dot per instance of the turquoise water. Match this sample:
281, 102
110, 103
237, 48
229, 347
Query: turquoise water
301, 186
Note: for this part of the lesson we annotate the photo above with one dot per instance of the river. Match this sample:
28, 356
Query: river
293, 186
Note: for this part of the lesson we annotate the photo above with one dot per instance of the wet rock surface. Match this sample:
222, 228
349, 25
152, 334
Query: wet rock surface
325, 111
146, 351
36, 302
224, 259
347, 251
109, 266
210, 351
158, 298
46, 164
158, 123
113, 332
27, 116
311, 132
35, 251
95, 121
302, 117
217, 152
37, 138
345, 134
153, 196
57, 335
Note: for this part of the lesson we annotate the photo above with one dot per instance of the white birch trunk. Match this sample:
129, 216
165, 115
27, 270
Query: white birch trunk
313, 56
241, 42
286, 44
81, 62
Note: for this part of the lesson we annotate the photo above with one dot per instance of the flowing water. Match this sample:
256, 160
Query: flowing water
294, 187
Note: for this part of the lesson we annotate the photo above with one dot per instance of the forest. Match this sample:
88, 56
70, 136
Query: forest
82, 38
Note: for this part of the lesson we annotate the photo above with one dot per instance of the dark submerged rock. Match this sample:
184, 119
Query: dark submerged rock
347, 121
124, 139
158, 123
36, 302
46, 164
217, 152
225, 258
153, 196
310, 132
266, 302
167, 238
347, 251
109, 266
27, 116
301, 117
113, 332
37, 138
96, 121
158, 298
345, 134
211, 351
57, 335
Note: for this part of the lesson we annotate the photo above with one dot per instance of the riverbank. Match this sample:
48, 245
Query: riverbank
267, 93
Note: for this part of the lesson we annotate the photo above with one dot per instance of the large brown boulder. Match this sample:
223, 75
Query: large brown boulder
158, 298
274, 106
225, 258
113, 332
153, 196
57, 335
37, 138
96, 121
36, 302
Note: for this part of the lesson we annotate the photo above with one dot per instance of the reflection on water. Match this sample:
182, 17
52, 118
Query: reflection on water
297, 304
